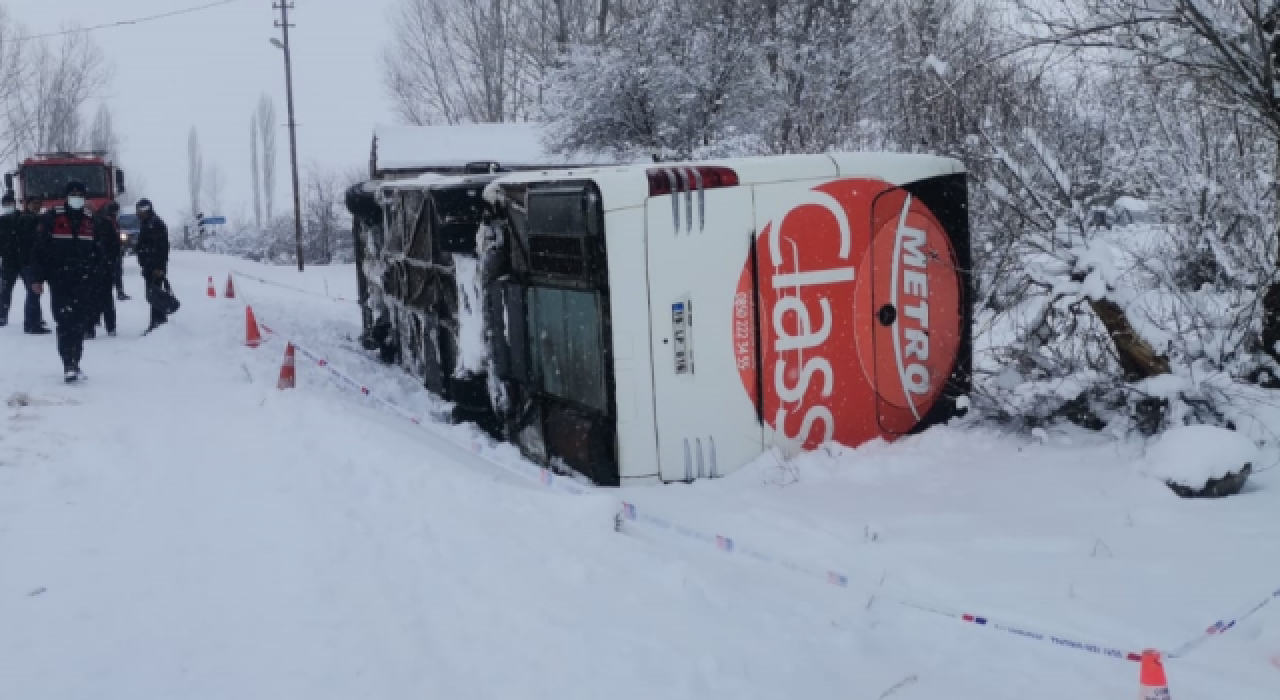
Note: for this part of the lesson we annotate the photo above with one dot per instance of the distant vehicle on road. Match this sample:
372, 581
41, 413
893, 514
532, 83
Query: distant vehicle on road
129, 228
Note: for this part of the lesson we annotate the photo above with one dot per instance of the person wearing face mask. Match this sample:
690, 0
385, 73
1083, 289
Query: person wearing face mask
67, 257
152, 250
17, 235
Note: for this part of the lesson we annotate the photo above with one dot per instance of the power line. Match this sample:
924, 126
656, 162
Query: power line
126, 22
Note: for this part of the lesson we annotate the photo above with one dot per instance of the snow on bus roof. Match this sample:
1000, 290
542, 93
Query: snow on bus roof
514, 144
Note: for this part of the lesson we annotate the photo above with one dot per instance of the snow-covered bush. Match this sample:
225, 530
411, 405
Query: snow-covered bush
679, 82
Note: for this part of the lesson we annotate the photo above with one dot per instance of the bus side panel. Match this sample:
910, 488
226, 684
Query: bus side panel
633, 371
699, 288
862, 307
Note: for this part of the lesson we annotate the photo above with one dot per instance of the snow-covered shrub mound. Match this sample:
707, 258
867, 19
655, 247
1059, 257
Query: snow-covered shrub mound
1201, 461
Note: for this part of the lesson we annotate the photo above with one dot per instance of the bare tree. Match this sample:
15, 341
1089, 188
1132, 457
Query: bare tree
255, 172
12, 74
455, 62
323, 201
215, 185
102, 134
195, 172
486, 61
267, 131
62, 78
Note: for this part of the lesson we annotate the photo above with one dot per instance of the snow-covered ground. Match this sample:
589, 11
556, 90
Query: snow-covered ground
179, 528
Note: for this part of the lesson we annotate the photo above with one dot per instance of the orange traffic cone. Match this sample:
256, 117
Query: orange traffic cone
288, 371
1154, 685
213, 293
231, 289
253, 337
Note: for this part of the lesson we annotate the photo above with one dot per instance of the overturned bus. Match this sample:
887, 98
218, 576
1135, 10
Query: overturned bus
671, 322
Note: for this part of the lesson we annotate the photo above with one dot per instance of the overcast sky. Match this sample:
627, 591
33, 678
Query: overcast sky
207, 70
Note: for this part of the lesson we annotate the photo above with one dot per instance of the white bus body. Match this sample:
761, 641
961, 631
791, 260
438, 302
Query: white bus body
674, 321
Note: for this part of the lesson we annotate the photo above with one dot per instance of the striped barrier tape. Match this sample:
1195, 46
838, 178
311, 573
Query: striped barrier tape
629, 513
1221, 627
300, 290
731, 546
539, 475
1060, 641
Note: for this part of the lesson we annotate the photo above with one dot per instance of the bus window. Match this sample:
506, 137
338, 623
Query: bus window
566, 347
420, 241
558, 211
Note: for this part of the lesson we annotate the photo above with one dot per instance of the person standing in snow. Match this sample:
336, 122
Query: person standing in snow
153, 257
67, 257
23, 246
10, 265
107, 233
17, 232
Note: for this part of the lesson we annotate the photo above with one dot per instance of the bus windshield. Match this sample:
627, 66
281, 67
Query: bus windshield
50, 181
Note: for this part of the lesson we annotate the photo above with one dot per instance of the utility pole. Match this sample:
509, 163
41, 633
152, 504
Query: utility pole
283, 23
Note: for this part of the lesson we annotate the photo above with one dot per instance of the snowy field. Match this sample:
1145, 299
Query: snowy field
178, 528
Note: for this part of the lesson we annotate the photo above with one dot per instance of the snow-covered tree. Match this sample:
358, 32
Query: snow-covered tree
678, 81
102, 134
45, 104
1223, 55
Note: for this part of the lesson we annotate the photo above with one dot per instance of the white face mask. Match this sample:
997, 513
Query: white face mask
76, 203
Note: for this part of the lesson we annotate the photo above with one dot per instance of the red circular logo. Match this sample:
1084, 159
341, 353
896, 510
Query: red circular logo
859, 315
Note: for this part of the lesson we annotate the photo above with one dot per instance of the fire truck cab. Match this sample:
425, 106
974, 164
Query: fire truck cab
46, 175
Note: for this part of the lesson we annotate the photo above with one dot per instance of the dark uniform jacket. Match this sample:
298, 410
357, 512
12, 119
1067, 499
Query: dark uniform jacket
107, 233
66, 252
152, 247
10, 264
24, 243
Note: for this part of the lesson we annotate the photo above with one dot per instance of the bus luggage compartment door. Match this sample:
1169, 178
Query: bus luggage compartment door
696, 245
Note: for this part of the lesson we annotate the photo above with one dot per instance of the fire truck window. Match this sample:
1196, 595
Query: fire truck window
50, 181
565, 345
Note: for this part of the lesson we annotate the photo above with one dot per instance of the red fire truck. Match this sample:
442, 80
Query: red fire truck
46, 175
